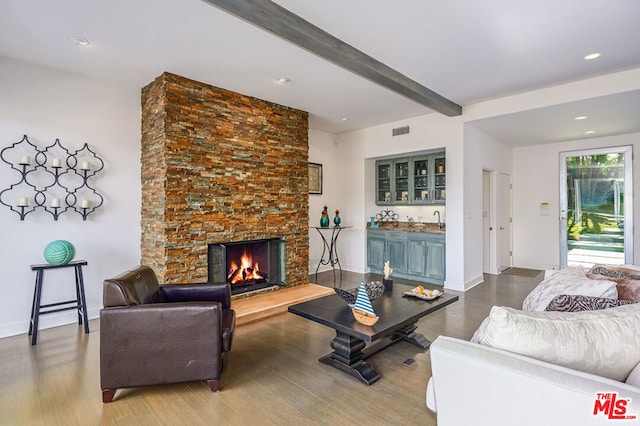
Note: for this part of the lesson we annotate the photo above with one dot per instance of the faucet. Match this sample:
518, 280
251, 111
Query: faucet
439, 223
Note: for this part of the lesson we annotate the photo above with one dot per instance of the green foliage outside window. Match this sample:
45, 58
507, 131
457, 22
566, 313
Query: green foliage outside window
594, 181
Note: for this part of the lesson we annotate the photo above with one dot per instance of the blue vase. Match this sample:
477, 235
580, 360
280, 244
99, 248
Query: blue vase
324, 221
337, 220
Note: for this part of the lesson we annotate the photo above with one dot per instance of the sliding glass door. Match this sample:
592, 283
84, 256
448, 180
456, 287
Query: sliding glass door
596, 207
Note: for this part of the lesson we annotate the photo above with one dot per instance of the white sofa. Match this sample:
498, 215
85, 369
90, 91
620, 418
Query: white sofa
473, 384
527, 367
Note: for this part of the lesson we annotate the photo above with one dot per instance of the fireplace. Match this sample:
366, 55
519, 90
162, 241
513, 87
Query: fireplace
206, 153
248, 265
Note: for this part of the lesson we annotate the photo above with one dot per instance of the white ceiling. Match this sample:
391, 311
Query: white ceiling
467, 51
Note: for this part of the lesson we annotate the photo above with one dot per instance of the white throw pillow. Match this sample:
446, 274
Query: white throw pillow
549, 272
604, 342
571, 280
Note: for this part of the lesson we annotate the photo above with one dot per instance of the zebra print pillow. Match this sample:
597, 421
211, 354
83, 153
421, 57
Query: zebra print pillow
576, 303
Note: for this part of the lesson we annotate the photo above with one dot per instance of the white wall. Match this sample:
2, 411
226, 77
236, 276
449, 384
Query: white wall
469, 151
481, 152
323, 149
536, 238
534, 172
358, 152
536, 169
46, 104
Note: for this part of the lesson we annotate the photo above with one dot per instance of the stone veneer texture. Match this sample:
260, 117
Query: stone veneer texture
219, 166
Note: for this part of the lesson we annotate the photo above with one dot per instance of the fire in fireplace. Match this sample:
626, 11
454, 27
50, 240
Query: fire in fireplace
246, 270
248, 265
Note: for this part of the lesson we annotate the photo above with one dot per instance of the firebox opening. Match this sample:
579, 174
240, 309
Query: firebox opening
245, 268
248, 265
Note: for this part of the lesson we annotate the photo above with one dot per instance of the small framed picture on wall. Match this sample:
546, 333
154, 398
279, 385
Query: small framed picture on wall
315, 178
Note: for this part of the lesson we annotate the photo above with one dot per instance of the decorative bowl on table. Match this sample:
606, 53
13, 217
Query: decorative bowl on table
423, 293
374, 291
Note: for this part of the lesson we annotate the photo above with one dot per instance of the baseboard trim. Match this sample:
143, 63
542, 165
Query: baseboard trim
474, 282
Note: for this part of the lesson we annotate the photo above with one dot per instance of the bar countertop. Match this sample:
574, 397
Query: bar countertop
427, 228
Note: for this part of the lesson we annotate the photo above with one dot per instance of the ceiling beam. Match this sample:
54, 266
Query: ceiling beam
291, 27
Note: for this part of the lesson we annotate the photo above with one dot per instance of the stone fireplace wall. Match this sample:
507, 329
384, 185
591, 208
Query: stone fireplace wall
219, 166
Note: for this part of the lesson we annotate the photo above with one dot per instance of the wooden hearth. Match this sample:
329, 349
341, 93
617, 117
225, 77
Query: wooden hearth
251, 309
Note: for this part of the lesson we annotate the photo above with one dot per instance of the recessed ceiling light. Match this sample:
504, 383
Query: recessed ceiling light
344, 118
282, 81
592, 56
581, 117
589, 132
79, 41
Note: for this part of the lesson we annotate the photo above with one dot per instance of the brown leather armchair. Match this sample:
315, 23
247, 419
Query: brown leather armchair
153, 334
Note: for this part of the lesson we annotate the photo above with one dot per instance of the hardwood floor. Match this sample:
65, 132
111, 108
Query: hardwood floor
272, 375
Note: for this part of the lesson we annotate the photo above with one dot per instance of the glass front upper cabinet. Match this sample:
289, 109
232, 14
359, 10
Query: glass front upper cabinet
421, 182
415, 180
440, 179
401, 180
383, 183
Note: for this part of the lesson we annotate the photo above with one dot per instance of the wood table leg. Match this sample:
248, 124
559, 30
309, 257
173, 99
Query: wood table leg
35, 316
82, 302
347, 356
408, 334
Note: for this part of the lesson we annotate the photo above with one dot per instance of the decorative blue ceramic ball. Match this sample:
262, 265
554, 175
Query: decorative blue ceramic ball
59, 252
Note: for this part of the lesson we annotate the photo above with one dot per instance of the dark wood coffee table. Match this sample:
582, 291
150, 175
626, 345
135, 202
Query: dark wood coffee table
398, 316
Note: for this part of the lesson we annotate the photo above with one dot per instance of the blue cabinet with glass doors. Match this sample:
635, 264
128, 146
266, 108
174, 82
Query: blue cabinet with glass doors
417, 180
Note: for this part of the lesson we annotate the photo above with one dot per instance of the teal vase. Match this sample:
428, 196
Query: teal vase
324, 221
337, 220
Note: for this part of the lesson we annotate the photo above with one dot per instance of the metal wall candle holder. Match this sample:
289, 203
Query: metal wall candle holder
68, 174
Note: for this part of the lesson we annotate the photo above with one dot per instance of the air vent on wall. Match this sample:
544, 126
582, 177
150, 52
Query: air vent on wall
400, 131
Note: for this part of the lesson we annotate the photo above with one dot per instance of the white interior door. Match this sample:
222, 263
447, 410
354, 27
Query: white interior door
504, 222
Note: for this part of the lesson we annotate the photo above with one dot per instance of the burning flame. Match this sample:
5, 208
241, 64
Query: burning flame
247, 271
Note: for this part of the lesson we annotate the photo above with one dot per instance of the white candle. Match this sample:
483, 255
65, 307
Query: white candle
55, 202
25, 159
85, 165
23, 202
57, 162
84, 204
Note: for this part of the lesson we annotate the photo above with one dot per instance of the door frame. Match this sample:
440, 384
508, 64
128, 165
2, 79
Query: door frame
488, 252
492, 199
627, 150
504, 222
